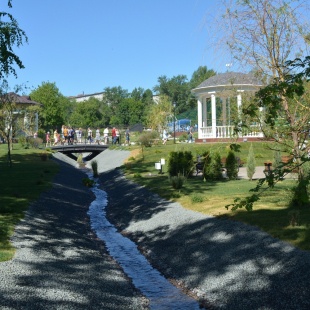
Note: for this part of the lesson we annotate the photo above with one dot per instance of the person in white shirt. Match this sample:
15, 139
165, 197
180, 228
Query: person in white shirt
106, 135
97, 139
89, 135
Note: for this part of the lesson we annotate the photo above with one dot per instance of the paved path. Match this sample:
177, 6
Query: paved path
259, 173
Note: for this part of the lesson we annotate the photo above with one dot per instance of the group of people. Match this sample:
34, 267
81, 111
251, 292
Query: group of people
69, 136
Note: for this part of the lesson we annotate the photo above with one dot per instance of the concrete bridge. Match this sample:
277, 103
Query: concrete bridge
72, 150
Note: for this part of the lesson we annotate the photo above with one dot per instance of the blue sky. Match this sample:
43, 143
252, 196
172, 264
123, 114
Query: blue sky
87, 45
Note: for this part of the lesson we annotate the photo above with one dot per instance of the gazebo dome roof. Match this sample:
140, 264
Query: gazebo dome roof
230, 79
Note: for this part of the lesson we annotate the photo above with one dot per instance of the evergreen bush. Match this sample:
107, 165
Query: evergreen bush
232, 166
206, 158
216, 167
180, 163
251, 163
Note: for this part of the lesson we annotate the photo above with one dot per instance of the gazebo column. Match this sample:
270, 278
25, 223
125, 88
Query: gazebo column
200, 118
204, 112
213, 115
239, 103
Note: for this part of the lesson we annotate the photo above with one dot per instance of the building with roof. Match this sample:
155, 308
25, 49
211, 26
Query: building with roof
83, 97
219, 100
21, 103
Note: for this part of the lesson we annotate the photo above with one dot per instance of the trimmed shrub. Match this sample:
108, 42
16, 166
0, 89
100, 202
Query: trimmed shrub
180, 163
216, 167
232, 166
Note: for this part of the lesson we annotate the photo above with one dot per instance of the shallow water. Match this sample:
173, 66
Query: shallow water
160, 292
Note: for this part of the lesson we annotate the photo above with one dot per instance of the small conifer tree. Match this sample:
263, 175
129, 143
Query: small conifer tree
232, 166
251, 164
277, 158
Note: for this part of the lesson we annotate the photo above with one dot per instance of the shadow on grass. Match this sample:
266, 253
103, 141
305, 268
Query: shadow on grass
237, 266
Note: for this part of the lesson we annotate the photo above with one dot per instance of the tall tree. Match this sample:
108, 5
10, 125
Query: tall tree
200, 75
160, 113
53, 105
10, 35
114, 95
263, 35
87, 114
176, 89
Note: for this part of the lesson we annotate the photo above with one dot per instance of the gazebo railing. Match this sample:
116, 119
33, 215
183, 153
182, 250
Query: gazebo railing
228, 132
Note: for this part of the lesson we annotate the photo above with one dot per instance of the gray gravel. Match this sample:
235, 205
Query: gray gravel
59, 266
58, 263
230, 264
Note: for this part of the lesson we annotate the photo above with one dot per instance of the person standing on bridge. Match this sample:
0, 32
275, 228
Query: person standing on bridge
97, 139
117, 136
79, 135
66, 135
89, 135
48, 139
56, 137
106, 135
127, 136
113, 135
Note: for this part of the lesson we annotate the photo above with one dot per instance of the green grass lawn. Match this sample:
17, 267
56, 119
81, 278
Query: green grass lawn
19, 185
271, 213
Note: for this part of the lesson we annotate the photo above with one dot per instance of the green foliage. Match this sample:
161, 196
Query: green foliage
52, 112
79, 159
212, 167
87, 114
180, 163
251, 164
145, 139
300, 195
137, 176
22, 140
197, 198
177, 181
206, 159
35, 143
176, 89
231, 166
10, 35
88, 182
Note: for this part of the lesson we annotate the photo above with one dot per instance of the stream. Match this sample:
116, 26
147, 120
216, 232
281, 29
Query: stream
154, 286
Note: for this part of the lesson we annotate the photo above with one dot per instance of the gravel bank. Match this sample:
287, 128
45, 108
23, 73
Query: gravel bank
58, 263
232, 265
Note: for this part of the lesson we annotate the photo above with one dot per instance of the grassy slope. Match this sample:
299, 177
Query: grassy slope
19, 185
271, 213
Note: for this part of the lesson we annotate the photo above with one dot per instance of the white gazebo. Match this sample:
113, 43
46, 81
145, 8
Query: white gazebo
219, 101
